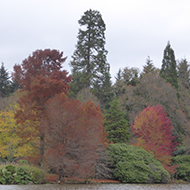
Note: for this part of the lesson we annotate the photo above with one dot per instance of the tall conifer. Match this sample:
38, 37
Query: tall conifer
168, 70
90, 68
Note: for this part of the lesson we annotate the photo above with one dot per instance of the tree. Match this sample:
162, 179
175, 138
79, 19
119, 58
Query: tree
130, 76
184, 91
40, 77
10, 144
75, 132
168, 70
184, 73
85, 95
89, 65
153, 90
4, 82
149, 67
152, 130
116, 123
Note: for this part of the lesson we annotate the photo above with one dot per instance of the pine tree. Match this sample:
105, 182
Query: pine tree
89, 64
4, 82
116, 123
149, 67
118, 86
184, 73
168, 70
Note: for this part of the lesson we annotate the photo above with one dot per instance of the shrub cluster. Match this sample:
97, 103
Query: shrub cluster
12, 174
132, 164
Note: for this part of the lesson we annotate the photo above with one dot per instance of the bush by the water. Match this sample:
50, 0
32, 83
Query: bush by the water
13, 174
183, 170
132, 164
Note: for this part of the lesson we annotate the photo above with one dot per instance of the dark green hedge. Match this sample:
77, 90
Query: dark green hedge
131, 164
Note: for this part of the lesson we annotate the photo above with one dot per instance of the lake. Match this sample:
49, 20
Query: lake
98, 187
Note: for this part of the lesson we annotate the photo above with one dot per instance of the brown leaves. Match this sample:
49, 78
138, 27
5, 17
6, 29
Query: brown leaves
75, 131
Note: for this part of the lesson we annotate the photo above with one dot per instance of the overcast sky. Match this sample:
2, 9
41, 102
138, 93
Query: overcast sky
135, 29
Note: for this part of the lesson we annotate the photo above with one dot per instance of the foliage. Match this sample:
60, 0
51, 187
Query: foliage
102, 167
183, 170
126, 77
152, 130
116, 123
37, 173
184, 73
75, 131
10, 143
85, 95
169, 70
149, 67
5, 83
11, 174
89, 65
153, 90
40, 77
132, 164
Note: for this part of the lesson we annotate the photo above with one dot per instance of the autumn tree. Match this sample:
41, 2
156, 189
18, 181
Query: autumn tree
153, 90
41, 77
75, 132
90, 68
10, 144
169, 67
116, 123
152, 130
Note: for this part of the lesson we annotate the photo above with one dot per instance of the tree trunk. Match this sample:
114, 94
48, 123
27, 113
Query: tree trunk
42, 147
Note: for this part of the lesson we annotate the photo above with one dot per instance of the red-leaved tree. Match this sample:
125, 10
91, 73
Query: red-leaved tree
75, 133
153, 132
40, 77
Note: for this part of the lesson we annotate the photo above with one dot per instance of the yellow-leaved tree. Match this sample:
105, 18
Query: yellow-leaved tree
12, 146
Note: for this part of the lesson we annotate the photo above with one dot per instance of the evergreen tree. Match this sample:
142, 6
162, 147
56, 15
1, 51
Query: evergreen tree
168, 70
116, 123
5, 87
118, 86
184, 73
89, 64
149, 67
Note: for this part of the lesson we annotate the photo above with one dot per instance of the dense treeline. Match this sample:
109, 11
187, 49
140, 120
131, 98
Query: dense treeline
82, 125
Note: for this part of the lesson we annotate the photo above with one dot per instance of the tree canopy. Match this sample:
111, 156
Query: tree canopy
90, 68
40, 77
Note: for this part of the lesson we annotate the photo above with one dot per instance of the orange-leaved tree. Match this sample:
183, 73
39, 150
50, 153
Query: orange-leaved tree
152, 131
41, 77
75, 133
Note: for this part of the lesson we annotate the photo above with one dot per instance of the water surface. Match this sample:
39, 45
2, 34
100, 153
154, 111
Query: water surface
97, 187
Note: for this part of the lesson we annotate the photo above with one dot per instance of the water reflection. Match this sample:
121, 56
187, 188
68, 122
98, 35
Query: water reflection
97, 187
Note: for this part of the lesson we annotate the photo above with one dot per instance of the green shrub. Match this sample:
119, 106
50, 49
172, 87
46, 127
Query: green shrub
183, 170
37, 173
12, 174
21, 176
10, 168
131, 164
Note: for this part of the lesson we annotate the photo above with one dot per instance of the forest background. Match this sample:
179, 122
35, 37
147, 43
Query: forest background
48, 115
